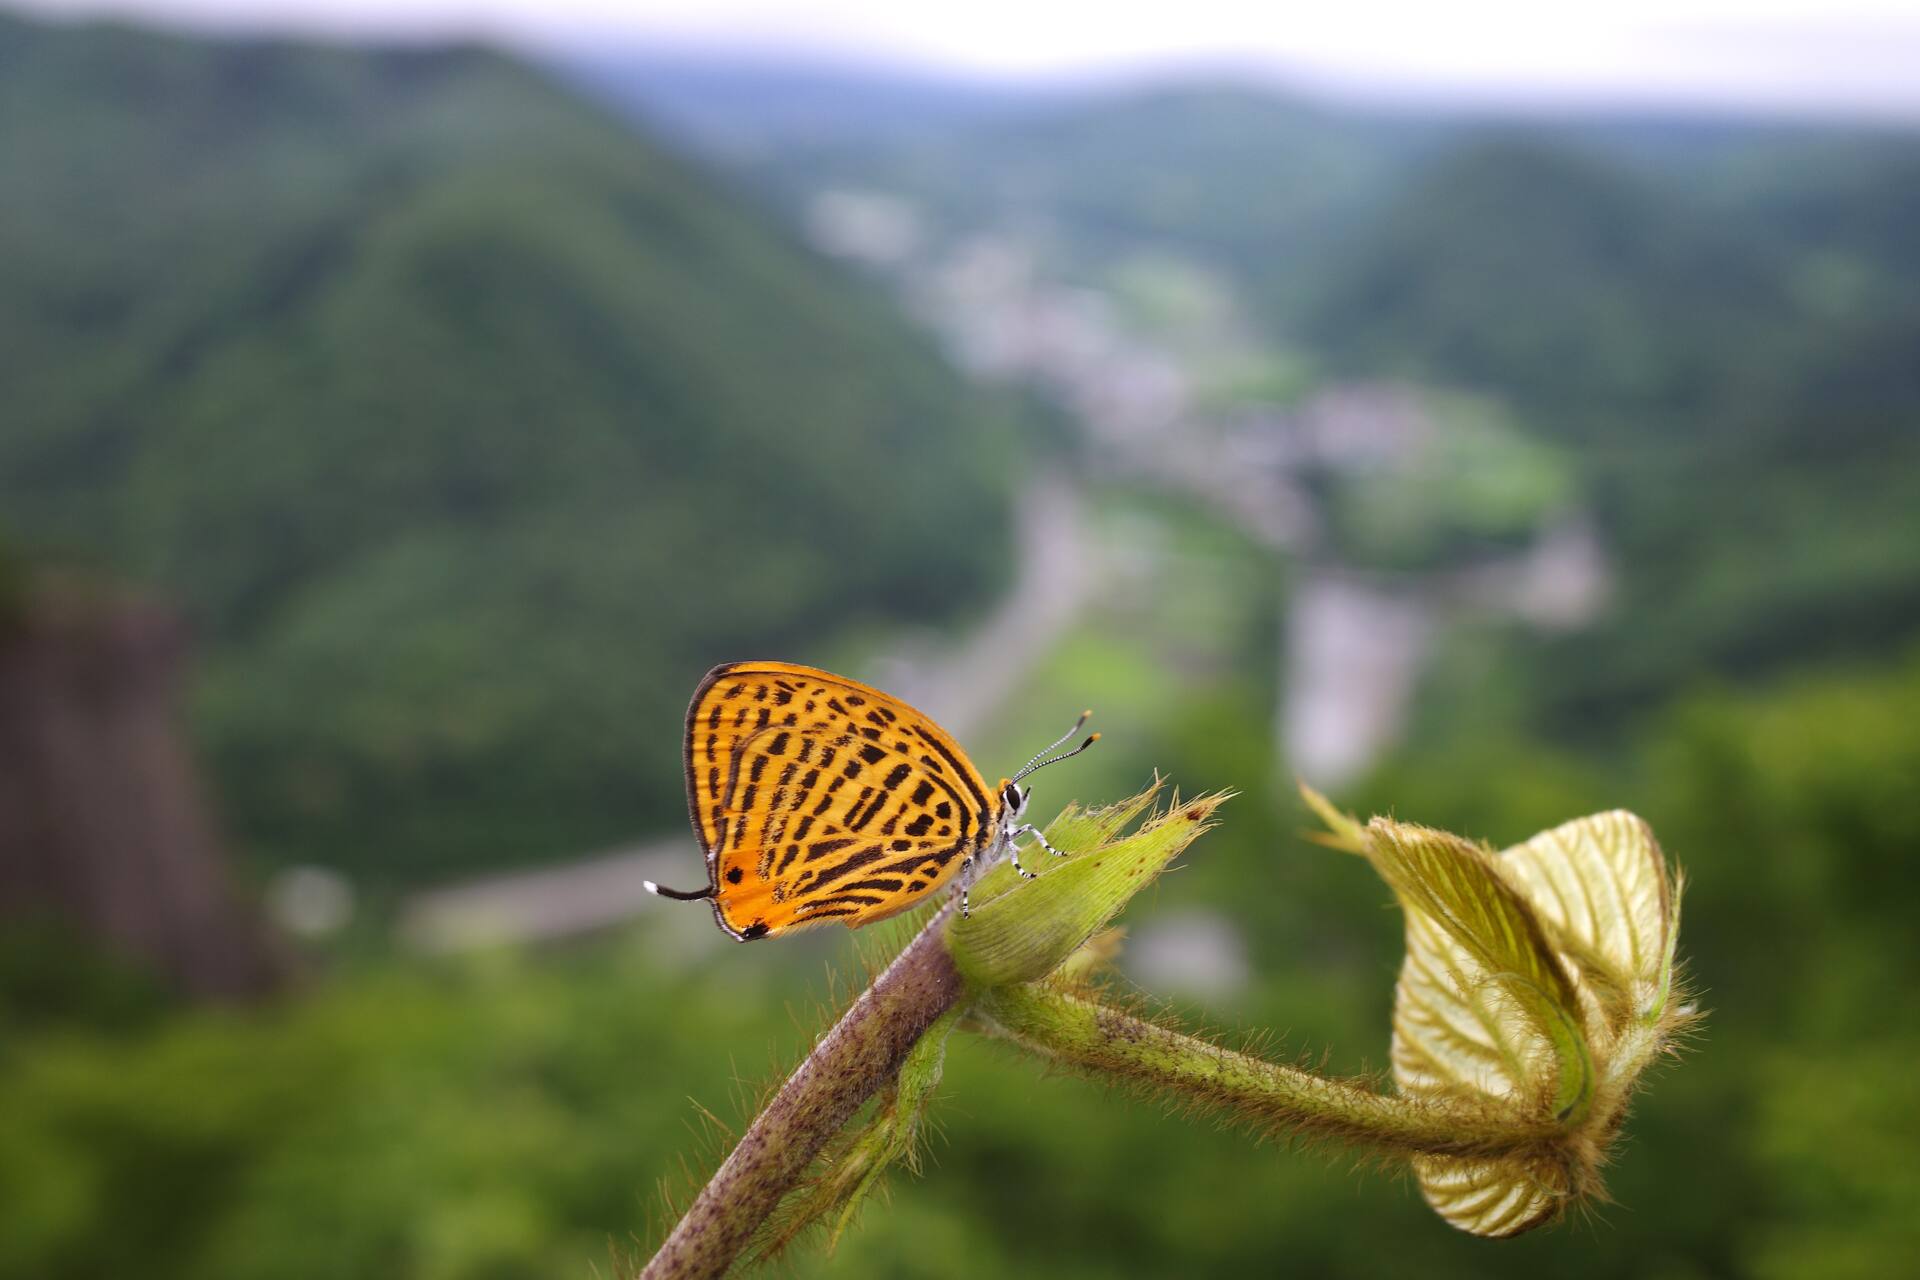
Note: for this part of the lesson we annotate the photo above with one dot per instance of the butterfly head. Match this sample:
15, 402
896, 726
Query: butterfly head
1013, 798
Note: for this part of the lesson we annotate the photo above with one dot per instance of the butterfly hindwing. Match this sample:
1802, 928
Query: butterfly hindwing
817, 798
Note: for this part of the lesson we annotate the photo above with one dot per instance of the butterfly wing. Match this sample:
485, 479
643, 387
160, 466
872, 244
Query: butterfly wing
817, 798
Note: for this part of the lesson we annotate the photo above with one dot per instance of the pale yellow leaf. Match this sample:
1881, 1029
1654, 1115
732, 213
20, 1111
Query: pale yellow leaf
1494, 1198
1486, 1016
1601, 884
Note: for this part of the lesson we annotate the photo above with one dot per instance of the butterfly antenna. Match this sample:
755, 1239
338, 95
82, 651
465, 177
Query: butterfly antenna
678, 895
1037, 763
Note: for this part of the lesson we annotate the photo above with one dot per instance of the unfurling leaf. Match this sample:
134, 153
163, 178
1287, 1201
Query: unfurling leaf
1601, 886
1535, 990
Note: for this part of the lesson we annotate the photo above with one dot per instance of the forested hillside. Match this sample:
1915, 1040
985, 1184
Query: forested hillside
468, 427
1737, 386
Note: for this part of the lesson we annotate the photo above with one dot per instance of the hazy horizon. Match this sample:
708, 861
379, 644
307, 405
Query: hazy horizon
1791, 58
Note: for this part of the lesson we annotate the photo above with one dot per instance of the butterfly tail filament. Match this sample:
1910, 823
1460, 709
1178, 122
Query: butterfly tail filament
678, 895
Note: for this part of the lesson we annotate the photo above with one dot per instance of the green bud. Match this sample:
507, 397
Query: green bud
1020, 931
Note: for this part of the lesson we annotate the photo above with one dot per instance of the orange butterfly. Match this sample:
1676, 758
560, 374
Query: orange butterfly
817, 799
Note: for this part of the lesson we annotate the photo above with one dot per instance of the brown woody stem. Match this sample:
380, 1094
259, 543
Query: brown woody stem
860, 1054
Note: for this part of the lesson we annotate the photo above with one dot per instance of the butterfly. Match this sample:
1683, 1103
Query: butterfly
819, 799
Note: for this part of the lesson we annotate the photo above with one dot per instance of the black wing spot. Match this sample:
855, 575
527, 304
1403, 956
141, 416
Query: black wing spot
735, 875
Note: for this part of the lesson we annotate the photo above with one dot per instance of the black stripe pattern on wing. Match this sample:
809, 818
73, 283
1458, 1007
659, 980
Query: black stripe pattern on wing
832, 800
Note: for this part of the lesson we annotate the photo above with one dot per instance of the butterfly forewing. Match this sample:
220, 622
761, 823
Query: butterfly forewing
820, 799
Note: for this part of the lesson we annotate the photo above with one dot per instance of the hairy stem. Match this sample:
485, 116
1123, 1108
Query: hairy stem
860, 1054
1109, 1043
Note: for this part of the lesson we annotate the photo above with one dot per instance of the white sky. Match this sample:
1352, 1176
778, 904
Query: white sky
1830, 56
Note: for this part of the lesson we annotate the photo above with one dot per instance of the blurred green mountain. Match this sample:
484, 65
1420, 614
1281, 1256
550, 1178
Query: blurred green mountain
1254, 183
1526, 265
468, 427
1714, 319
1737, 389
749, 109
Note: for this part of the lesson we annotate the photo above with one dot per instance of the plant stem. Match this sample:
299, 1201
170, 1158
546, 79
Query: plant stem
861, 1053
1110, 1043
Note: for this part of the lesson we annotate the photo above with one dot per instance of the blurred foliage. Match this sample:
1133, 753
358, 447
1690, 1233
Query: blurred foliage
469, 427
489, 1121
53, 979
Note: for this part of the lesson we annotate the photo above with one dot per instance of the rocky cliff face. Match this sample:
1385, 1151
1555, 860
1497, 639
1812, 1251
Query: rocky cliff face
103, 823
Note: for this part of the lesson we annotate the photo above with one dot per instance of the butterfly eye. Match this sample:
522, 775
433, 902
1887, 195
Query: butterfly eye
1013, 798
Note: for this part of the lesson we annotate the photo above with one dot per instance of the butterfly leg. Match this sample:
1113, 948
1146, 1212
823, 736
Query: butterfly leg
1030, 829
966, 867
1013, 856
